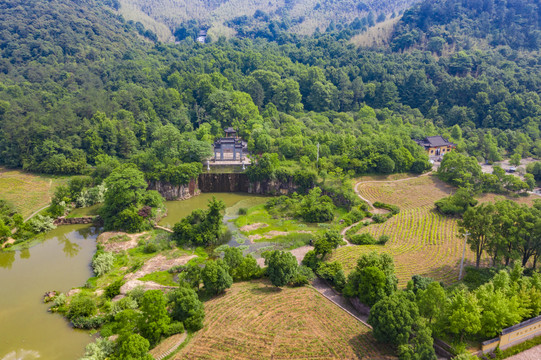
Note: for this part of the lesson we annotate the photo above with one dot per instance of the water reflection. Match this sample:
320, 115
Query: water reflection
24, 254
71, 249
6, 259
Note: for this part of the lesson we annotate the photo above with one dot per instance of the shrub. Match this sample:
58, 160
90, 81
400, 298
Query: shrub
60, 300
102, 263
333, 273
379, 219
303, 277
113, 289
40, 223
88, 323
174, 328
392, 208
243, 211
81, 306
382, 240
362, 239
150, 248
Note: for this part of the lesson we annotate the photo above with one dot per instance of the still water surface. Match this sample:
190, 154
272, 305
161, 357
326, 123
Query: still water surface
61, 262
27, 330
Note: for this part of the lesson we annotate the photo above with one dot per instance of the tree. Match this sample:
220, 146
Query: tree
154, 319
201, 227
216, 277
187, 308
281, 267
431, 301
132, 347
478, 222
462, 315
392, 319
327, 242
383, 262
125, 189
460, 170
372, 286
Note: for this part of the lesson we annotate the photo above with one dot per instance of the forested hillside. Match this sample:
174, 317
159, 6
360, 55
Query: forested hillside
226, 17
465, 24
104, 92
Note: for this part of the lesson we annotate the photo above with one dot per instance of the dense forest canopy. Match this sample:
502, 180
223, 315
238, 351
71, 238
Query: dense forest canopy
66, 102
465, 24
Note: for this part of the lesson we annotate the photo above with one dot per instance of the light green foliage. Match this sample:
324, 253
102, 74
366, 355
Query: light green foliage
240, 267
40, 223
132, 347
462, 315
281, 267
186, 307
431, 301
98, 350
312, 208
460, 170
60, 299
216, 277
333, 273
384, 263
457, 203
154, 319
327, 242
81, 305
102, 263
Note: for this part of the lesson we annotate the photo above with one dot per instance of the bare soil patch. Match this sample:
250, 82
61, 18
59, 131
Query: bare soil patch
158, 263
252, 227
116, 241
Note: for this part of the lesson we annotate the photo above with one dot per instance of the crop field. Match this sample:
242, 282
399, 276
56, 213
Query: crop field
254, 320
27, 192
422, 241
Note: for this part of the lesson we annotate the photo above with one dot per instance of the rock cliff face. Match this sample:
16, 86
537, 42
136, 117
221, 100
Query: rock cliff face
76, 221
241, 183
175, 192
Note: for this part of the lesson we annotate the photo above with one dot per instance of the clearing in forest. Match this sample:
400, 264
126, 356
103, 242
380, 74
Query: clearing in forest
27, 192
421, 240
255, 320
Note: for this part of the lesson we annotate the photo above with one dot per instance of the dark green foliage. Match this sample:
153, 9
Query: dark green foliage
327, 242
303, 276
241, 267
392, 208
81, 306
154, 319
113, 289
369, 285
379, 219
363, 239
419, 282
216, 277
201, 227
88, 323
457, 203
535, 170
312, 207
333, 273
281, 267
460, 170
132, 347
186, 308
174, 328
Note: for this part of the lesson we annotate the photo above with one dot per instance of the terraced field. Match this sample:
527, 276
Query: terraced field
421, 240
254, 320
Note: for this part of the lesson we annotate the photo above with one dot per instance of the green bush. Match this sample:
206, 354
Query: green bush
243, 211
382, 240
362, 239
81, 306
88, 323
175, 327
379, 219
113, 289
392, 208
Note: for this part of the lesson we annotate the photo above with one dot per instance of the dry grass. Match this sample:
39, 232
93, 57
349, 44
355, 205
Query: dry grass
377, 36
27, 192
257, 321
408, 194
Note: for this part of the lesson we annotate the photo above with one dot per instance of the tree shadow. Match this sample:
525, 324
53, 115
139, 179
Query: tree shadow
268, 289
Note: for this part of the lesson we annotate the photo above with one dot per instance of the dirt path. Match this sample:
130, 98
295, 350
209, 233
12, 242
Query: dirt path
163, 228
330, 294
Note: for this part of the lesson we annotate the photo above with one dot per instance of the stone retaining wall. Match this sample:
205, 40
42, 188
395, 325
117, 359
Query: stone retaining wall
76, 221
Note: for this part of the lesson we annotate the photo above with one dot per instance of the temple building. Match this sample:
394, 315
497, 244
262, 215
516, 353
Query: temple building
230, 147
436, 145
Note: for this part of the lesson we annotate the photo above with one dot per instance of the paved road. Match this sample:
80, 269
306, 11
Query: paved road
530, 354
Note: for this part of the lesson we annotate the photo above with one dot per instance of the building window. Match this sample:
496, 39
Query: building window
432, 151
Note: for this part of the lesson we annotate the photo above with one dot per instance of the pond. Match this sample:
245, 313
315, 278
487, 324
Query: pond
60, 262
177, 210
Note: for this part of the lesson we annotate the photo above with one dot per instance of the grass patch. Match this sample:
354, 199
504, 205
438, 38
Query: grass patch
160, 277
86, 211
298, 322
28, 192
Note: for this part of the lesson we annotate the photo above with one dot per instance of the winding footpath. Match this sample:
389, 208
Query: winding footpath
324, 288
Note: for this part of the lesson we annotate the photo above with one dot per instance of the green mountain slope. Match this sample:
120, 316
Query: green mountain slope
462, 24
303, 16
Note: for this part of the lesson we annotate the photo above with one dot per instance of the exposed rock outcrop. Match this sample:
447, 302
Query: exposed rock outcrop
175, 192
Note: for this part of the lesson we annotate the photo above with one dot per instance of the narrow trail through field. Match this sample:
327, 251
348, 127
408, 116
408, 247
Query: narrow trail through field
168, 346
356, 189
